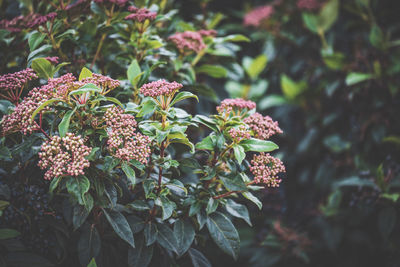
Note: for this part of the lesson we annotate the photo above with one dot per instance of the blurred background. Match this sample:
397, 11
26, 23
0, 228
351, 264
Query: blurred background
329, 72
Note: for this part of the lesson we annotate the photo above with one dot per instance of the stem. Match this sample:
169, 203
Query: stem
226, 194
198, 57
162, 148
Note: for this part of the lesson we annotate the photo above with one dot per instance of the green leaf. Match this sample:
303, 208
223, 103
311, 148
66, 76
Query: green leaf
238, 210
141, 255
133, 72
43, 68
79, 215
253, 199
271, 101
85, 73
377, 37
212, 205
150, 233
206, 144
195, 208
167, 207
120, 225
35, 39
311, 22
166, 238
198, 259
64, 124
206, 121
184, 234
233, 184
148, 106
37, 52
139, 205
54, 183
328, 15
78, 186
290, 88
355, 181
357, 77
130, 173
224, 233
257, 65
6, 233
136, 223
240, 155
214, 71
92, 263
235, 38
181, 96
43, 105
89, 245
387, 221
258, 145
87, 88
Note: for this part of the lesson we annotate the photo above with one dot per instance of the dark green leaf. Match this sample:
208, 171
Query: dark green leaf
224, 233
89, 245
8, 233
141, 255
233, 183
181, 96
184, 234
166, 238
43, 68
150, 233
78, 186
166, 205
253, 199
214, 71
240, 155
130, 173
35, 39
139, 205
120, 225
206, 144
198, 259
238, 210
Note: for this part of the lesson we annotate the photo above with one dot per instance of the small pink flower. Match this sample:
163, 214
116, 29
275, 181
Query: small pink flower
262, 127
189, 41
160, 87
256, 16
40, 20
140, 14
239, 134
64, 156
123, 140
53, 60
266, 168
14, 81
237, 104
308, 4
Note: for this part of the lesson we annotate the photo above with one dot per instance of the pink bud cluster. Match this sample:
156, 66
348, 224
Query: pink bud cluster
229, 104
190, 41
16, 80
256, 16
123, 140
239, 134
53, 60
64, 156
205, 33
18, 23
160, 87
117, 2
140, 14
20, 119
308, 4
262, 127
40, 20
266, 168
104, 82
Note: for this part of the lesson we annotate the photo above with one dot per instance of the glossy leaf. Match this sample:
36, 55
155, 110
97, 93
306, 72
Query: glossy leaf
198, 259
238, 210
181, 96
89, 245
224, 233
141, 255
120, 225
184, 233
166, 238
258, 145
64, 124
43, 68
240, 155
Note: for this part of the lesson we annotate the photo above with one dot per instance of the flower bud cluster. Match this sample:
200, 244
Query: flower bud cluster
262, 127
18, 23
64, 156
20, 119
256, 16
160, 87
104, 82
229, 104
53, 60
308, 4
140, 14
40, 20
16, 80
120, 3
266, 168
239, 134
190, 41
123, 140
